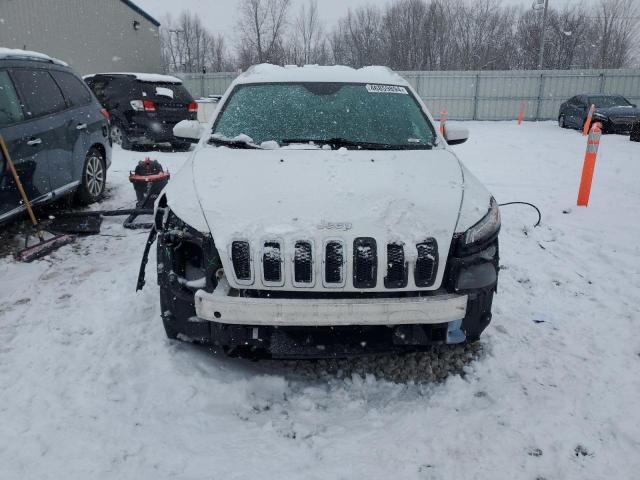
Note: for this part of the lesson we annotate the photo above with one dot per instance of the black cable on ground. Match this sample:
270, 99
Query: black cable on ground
525, 203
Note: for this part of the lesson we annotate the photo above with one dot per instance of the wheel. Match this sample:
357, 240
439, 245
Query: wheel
180, 147
94, 178
119, 136
561, 122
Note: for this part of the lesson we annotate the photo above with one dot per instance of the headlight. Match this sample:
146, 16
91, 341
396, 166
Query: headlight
485, 228
599, 116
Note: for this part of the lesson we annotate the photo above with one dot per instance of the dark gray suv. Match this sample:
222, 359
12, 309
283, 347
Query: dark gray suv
56, 131
615, 113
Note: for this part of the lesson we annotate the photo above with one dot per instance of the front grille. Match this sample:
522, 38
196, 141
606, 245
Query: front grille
340, 267
272, 262
365, 263
623, 120
241, 258
303, 263
333, 264
426, 263
396, 267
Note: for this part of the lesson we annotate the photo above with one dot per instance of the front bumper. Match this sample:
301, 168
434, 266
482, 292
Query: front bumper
358, 327
617, 126
221, 308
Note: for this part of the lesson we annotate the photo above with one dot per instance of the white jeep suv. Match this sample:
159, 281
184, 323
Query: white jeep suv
322, 214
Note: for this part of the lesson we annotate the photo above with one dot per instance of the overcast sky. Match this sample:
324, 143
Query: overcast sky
220, 15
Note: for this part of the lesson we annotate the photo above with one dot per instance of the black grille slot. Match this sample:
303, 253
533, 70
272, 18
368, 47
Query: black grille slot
303, 263
365, 263
241, 258
396, 267
334, 260
426, 263
272, 262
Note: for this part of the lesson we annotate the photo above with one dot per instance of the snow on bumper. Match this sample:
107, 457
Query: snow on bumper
330, 312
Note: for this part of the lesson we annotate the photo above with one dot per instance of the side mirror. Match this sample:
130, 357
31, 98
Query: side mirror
455, 133
188, 130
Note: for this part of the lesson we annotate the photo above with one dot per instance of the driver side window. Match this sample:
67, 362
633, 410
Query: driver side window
10, 110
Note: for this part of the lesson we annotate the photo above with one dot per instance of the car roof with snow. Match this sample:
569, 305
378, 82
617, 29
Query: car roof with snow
267, 73
143, 77
16, 54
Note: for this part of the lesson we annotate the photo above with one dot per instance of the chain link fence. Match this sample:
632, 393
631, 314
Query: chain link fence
484, 95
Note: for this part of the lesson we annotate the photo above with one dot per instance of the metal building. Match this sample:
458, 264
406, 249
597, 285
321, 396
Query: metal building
91, 35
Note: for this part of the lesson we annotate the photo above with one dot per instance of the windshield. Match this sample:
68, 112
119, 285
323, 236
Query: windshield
346, 115
610, 101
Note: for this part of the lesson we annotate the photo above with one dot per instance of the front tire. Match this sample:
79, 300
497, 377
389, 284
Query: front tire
561, 122
94, 178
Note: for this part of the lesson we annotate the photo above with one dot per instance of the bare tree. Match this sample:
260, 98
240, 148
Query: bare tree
360, 38
412, 35
262, 27
618, 26
404, 29
187, 46
309, 34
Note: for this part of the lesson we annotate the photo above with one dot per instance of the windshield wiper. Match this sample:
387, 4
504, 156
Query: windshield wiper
233, 143
336, 143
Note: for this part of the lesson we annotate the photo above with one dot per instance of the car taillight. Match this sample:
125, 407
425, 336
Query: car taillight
149, 106
193, 107
105, 114
143, 105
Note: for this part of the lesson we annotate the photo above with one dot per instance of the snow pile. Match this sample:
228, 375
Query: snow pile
143, 77
165, 92
313, 73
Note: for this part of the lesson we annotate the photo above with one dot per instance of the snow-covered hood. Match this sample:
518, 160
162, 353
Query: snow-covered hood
291, 195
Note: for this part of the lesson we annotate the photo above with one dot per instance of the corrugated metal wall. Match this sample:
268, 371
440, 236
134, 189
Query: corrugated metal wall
485, 95
91, 35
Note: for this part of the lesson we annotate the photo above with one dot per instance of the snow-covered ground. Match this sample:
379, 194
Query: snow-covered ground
91, 388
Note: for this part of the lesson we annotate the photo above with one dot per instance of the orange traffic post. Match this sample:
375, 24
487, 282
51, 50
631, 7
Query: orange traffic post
521, 113
587, 123
443, 120
589, 166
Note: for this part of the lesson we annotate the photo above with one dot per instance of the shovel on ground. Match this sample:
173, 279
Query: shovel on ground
44, 247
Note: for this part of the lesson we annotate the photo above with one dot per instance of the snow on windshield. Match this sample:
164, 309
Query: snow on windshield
304, 112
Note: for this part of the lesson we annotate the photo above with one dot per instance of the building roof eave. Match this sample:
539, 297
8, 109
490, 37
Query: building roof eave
140, 11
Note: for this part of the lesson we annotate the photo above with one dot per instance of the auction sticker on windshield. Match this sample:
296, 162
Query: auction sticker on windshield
386, 89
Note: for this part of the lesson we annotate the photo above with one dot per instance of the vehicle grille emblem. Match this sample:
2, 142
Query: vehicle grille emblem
341, 226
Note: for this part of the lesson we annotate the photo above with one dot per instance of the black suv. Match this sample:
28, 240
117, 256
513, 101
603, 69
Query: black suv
56, 131
614, 112
144, 107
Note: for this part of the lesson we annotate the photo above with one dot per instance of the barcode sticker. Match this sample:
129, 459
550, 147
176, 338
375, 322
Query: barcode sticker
375, 88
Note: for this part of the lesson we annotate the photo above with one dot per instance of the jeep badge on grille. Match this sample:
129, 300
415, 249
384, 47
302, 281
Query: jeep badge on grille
343, 226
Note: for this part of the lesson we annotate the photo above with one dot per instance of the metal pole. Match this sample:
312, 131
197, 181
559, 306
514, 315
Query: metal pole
540, 97
542, 33
475, 97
